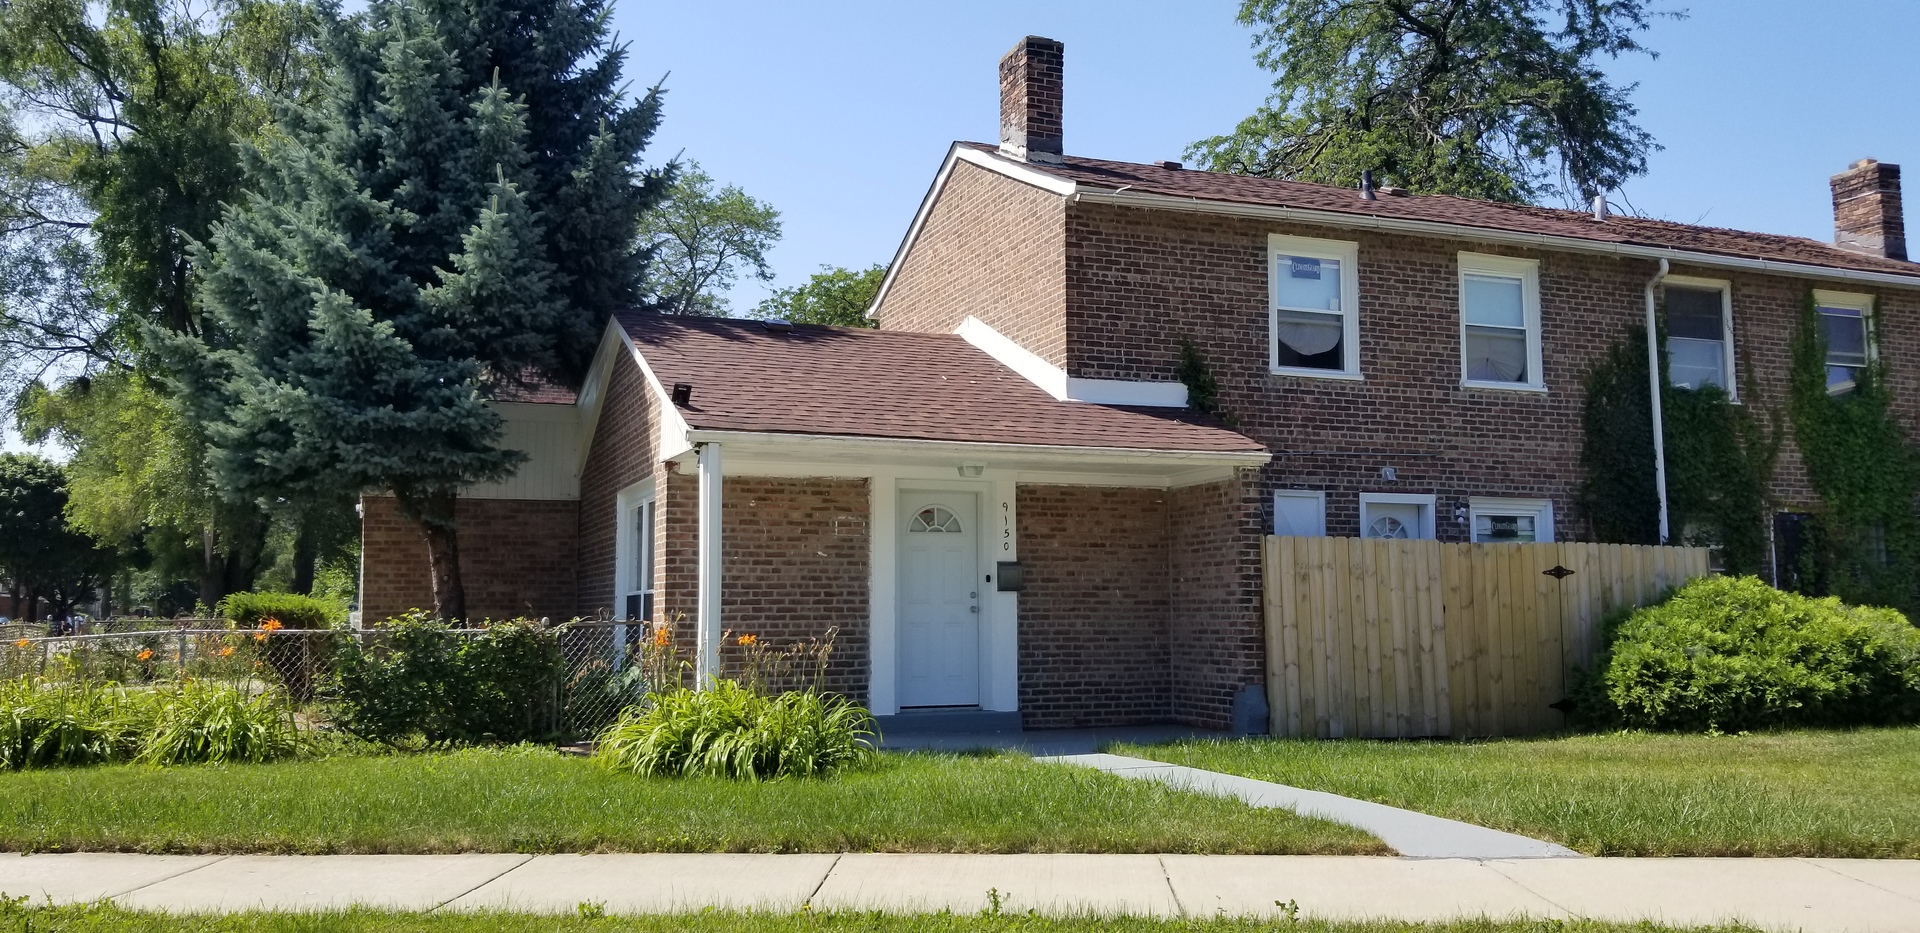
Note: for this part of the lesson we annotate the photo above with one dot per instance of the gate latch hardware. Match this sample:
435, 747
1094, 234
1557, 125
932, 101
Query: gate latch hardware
1558, 572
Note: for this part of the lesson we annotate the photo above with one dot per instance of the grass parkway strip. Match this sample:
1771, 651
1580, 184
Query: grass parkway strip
1842, 794
536, 800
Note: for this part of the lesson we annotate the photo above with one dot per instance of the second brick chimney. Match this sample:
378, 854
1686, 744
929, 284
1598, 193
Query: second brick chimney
1866, 210
1032, 77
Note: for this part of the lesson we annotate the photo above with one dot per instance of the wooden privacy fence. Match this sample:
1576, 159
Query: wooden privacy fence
1397, 639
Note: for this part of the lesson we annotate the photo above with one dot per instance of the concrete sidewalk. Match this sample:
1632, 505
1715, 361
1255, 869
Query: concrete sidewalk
1816, 895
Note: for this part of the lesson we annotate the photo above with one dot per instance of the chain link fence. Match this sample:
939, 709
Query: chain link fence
600, 662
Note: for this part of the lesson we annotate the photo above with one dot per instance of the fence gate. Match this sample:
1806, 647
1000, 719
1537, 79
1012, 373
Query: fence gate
1398, 639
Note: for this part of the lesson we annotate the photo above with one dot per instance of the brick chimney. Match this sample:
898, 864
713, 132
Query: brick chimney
1866, 210
1031, 80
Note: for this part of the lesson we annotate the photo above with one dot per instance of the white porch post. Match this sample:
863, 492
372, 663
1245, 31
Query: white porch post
707, 601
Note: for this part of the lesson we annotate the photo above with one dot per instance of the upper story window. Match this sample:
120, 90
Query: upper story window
1314, 308
1846, 322
1500, 322
1699, 333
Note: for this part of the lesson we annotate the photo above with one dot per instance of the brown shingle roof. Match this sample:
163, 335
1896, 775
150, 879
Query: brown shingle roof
872, 383
1511, 218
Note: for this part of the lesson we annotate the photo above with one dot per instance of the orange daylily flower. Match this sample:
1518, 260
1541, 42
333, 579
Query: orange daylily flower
226, 652
22, 643
662, 637
146, 654
747, 641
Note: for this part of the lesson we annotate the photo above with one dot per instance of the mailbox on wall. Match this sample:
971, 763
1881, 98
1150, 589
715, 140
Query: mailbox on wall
1007, 576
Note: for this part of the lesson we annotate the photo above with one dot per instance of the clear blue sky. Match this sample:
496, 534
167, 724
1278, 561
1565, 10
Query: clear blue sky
838, 112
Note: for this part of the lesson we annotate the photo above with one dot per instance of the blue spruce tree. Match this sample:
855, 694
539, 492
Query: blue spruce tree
457, 217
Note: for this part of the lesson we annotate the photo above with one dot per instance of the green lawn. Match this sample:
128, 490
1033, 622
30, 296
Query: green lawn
536, 800
1779, 794
101, 919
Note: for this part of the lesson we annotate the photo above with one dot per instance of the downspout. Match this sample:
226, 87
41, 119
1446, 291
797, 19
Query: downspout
707, 594
1653, 384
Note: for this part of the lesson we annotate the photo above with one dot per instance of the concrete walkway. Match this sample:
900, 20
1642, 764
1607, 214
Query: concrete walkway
1815, 895
1406, 831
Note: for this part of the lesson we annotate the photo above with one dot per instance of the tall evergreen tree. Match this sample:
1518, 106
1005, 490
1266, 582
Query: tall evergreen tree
457, 216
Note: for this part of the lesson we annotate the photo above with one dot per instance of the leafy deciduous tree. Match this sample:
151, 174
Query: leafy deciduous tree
40, 555
703, 239
1496, 100
834, 295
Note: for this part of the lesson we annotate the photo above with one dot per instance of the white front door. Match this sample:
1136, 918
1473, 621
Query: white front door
1397, 516
939, 599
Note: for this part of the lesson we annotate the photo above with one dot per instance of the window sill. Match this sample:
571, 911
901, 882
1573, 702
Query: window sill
1316, 374
1504, 387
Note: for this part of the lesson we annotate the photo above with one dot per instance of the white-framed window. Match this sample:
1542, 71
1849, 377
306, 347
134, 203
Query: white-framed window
634, 553
1313, 308
1700, 333
1300, 513
1510, 521
1846, 320
1500, 322
1396, 515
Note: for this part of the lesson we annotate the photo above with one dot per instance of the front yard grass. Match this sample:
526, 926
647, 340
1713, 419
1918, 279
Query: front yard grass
1811, 793
101, 919
537, 800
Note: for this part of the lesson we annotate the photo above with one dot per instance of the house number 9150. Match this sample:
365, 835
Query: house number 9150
1006, 526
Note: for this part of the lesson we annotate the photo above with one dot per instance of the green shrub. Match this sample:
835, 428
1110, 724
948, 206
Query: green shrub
204, 722
297, 659
291, 610
1725, 653
730, 731
422, 679
44, 725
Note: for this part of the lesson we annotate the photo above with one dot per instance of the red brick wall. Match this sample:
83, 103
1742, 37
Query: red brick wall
517, 558
990, 248
1205, 277
1094, 608
622, 455
1217, 641
796, 563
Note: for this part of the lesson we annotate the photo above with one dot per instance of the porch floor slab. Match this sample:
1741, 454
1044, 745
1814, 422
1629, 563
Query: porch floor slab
1418, 835
1040, 741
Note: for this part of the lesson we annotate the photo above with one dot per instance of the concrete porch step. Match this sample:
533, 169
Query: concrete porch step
946, 721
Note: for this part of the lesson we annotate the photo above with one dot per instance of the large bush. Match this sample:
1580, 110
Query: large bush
730, 731
1732, 653
419, 678
291, 610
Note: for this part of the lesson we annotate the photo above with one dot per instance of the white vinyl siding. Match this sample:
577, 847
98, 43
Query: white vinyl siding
1499, 322
1313, 326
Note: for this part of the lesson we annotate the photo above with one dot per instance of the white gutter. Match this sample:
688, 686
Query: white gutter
1653, 384
1081, 456
1483, 234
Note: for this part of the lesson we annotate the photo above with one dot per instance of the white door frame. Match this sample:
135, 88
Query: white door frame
1428, 520
971, 523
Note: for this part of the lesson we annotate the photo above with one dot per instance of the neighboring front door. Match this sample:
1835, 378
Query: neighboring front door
939, 633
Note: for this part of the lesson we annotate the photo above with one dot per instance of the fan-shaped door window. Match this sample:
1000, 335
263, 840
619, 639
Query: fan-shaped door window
935, 519
1386, 526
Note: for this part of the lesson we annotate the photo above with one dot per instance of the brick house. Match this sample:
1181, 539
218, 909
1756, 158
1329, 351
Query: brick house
1000, 497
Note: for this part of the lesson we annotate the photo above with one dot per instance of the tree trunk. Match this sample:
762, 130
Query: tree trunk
212, 568
306, 552
33, 605
433, 510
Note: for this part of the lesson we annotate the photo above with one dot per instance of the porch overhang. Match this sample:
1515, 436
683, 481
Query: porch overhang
792, 454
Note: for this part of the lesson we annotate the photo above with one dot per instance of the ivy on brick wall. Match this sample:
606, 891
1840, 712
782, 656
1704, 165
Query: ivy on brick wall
1866, 542
1720, 457
1203, 389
